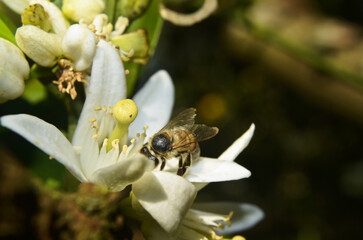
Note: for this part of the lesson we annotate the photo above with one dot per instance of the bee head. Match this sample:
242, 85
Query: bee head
160, 143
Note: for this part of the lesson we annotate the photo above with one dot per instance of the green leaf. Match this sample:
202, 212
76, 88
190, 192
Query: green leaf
152, 23
110, 10
7, 28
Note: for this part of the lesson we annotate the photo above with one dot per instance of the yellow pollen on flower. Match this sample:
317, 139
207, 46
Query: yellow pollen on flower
95, 136
124, 149
50, 157
110, 111
125, 112
146, 127
97, 108
133, 141
115, 144
95, 127
138, 135
104, 108
127, 72
105, 141
92, 120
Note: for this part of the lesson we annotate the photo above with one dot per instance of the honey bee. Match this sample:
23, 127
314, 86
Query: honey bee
178, 139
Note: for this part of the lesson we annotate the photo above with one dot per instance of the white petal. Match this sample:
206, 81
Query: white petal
44, 48
13, 70
166, 196
116, 177
107, 86
47, 138
79, 44
244, 216
215, 170
238, 146
155, 103
17, 6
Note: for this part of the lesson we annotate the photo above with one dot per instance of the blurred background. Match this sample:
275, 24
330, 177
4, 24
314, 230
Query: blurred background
292, 67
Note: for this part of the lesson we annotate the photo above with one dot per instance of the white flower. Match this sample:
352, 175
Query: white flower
86, 157
45, 47
77, 9
13, 70
91, 157
209, 221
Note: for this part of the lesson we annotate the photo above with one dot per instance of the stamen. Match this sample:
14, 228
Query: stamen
133, 141
127, 72
105, 142
95, 136
215, 236
104, 108
124, 149
115, 144
110, 111
146, 127
92, 120
50, 157
97, 108
228, 218
137, 135
95, 127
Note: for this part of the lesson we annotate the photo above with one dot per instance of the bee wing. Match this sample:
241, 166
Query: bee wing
203, 132
185, 119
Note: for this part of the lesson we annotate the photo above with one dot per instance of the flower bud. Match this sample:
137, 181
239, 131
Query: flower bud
55, 16
79, 44
132, 8
13, 70
77, 9
44, 48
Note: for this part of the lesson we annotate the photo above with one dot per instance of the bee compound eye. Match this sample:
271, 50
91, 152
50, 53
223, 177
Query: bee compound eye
160, 143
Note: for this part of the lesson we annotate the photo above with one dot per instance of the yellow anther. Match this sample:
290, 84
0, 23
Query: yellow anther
115, 143
95, 127
127, 72
110, 111
228, 218
124, 149
146, 127
95, 136
133, 141
92, 120
138, 135
50, 157
97, 108
105, 141
143, 135
104, 108
125, 112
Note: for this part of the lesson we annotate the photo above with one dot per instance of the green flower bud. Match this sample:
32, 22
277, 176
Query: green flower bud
132, 8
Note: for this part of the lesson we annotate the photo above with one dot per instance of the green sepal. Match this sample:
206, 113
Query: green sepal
7, 28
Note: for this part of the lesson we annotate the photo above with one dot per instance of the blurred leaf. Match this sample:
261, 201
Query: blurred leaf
152, 23
110, 9
7, 28
35, 92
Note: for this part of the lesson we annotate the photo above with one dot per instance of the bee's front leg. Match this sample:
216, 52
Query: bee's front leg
184, 165
163, 162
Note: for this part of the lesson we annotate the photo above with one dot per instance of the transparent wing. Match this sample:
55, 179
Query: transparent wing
203, 132
183, 119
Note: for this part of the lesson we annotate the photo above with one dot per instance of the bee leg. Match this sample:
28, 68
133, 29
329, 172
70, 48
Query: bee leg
163, 162
183, 166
